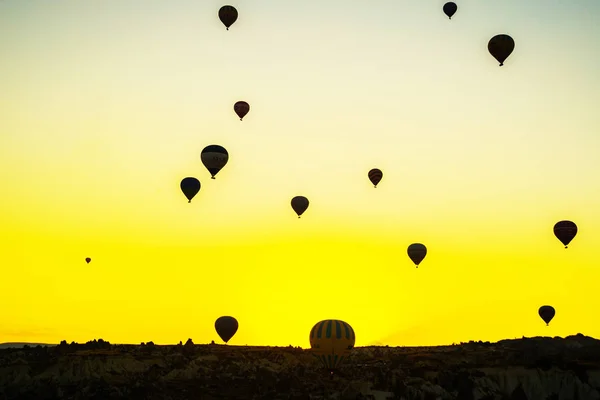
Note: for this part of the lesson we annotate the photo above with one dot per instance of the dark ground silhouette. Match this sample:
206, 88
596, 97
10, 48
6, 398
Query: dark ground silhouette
537, 368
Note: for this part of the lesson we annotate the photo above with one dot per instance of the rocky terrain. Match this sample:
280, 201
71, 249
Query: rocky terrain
524, 369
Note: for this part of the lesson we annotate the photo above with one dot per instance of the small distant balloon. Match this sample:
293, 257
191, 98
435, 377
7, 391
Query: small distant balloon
214, 158
299, 204
450, 9
417, 253
565, 231
547, 313
241, 108
228, 15
226, 327
375, 176
87, 260
190, 187
501, 46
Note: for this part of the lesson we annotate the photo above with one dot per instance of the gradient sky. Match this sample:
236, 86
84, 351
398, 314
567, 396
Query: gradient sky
105, 105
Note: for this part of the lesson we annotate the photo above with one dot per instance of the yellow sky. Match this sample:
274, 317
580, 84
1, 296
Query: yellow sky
106, 105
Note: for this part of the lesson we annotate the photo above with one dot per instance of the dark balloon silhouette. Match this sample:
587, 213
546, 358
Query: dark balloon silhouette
565, 231
87, 260
331, 341
241, 108
190, 187
228, 15
375, 176
214, 158
501, 46
299, 204
417, 253
450, 9
547, 313
226, 327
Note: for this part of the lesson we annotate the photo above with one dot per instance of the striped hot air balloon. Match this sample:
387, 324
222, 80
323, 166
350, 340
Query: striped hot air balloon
214, 158
375, 176
331, 341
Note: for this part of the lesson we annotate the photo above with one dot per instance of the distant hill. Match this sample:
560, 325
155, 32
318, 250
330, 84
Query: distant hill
21, 345
537, 368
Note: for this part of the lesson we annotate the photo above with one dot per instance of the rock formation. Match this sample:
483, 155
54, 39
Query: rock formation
523, 369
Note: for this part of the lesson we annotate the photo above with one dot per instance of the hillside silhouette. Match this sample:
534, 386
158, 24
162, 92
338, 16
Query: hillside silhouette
9, 345
526, 369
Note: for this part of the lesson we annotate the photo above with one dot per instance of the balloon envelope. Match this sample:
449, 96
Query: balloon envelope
547, 313
214, 158
87, 260
226, 327
375, 176
331, 341
299, 204
241, 108
501, 46
450, 9
190, 187
565, 231
228, 15
417, 252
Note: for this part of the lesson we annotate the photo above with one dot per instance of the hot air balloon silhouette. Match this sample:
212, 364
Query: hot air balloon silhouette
190, 187
450, 9
546, 313
214, 158
299, 205
501, 46
87, 260
228, 15
226, 327
565, 231
331, 341
417, 253
375, 176
241, 108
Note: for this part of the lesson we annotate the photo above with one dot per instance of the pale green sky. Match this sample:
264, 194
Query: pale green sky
105, 106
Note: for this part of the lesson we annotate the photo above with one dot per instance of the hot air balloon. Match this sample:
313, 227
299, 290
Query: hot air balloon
547, 313
190, 187
228, 15
375, 176
87, 260
450, 9
501, 46
417, 253
331, 341
214, 158
299, 204
226, 327
241, 108
565, 231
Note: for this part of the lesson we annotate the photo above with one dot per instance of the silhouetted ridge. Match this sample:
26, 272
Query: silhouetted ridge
518, 368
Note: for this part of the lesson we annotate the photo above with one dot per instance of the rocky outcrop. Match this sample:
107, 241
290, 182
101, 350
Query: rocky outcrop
524, 369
